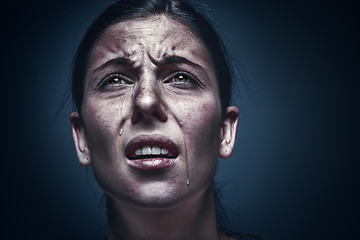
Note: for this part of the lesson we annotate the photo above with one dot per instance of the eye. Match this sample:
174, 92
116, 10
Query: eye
181, 78
114, 80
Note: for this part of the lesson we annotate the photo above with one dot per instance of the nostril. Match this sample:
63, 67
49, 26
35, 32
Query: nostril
137, 117
156, 115
140, 116
148, 105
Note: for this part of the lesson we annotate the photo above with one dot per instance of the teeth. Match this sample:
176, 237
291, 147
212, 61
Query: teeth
155, 151
138, 152
146, 150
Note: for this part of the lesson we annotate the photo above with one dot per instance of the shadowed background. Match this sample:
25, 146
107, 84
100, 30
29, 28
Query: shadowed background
294, 172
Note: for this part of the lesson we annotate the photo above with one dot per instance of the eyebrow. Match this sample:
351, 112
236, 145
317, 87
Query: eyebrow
166, 61
175, 59
115, 61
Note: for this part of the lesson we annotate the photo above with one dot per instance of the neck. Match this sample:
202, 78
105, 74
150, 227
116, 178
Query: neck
193, 219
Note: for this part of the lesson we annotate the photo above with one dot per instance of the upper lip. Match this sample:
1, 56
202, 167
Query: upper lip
152, 141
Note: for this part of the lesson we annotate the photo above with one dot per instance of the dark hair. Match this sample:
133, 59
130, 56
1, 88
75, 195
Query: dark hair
178, 9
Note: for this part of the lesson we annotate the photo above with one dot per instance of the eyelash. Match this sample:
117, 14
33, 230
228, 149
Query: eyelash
124, 80
190, 78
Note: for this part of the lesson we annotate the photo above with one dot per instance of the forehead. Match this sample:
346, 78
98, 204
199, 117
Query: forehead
155, 36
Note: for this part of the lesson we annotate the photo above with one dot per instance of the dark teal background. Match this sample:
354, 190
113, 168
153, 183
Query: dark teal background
295, 171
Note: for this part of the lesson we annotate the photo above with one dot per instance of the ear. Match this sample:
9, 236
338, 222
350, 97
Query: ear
80, 139
228, 131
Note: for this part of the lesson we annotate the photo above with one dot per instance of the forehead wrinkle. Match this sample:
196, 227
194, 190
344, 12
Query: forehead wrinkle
117, 47
121, 45
157, 51
161, 49
155, 38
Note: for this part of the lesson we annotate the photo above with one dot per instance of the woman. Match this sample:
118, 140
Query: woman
151, 85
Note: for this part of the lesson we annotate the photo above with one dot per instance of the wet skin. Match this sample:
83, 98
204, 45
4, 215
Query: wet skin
151, 82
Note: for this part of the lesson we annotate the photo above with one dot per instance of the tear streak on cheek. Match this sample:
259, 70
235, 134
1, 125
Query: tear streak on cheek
209, 113
124, 116
186, 151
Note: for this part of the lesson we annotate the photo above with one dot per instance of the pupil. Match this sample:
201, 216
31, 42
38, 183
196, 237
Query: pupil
115, 80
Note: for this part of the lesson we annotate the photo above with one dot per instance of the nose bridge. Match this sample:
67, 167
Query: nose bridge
146, 95
147, 100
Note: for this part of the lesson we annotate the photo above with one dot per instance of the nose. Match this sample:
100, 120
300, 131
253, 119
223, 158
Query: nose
147, 103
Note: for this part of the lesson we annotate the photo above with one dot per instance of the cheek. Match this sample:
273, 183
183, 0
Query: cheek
203, 144
208, 123
201, 126
102, 125
102, 121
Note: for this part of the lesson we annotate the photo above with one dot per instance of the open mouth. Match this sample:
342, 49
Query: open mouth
150, 152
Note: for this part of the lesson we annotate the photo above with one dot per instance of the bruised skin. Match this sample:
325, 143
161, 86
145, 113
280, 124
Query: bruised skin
148, 104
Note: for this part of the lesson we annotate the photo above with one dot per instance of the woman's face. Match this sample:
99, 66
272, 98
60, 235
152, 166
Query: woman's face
151, 117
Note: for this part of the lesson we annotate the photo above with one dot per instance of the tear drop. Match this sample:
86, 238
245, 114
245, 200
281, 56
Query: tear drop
186, 154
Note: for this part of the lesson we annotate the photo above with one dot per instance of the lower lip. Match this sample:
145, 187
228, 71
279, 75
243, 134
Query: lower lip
152, 163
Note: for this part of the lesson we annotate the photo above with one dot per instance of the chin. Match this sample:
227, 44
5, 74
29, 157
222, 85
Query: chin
158, 195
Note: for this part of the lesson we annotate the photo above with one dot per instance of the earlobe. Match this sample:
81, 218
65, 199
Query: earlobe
228, 132
80, 139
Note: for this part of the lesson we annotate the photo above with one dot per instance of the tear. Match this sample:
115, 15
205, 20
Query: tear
121, 131
186, 154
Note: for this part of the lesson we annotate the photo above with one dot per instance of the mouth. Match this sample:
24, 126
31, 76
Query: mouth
151, 152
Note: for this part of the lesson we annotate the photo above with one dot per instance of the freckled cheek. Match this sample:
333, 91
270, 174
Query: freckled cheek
202, 127
102, 122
